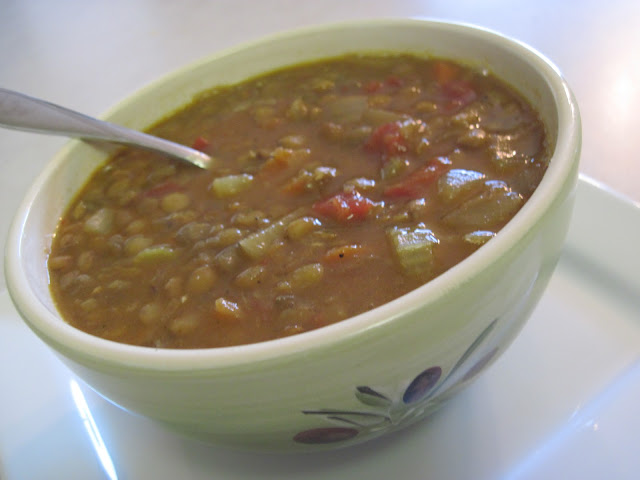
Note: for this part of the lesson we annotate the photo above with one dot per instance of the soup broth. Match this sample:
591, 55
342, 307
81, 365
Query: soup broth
338, 186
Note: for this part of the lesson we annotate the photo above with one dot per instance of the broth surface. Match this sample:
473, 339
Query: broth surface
339, 185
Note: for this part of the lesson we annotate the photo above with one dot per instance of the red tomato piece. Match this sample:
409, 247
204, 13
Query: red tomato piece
200, 143
394, 81
372, 86
458, 94
387, 139
413, 186
344, 207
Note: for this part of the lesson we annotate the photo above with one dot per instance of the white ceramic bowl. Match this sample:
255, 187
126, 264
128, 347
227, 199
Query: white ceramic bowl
362, 377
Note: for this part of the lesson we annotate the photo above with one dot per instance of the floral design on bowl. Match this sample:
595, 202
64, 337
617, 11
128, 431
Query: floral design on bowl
418, 400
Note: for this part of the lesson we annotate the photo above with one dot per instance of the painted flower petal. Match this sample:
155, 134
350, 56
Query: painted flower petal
421, 385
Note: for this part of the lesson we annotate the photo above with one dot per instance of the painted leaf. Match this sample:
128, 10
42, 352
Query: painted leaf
325, 435
369, 396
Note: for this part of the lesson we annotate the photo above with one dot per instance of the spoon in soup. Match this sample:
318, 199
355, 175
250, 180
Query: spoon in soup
22, 112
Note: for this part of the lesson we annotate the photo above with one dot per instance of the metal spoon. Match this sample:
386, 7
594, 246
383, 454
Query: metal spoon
22, 112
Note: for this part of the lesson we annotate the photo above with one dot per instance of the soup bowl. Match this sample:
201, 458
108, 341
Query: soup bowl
359, 378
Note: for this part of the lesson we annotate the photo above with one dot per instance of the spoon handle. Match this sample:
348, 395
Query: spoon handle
22, 112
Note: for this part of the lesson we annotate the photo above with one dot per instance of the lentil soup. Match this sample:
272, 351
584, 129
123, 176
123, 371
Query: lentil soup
339, 185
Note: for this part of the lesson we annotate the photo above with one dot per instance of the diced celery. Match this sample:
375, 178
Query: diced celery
393, 167
495, 205
413, 248
257, 244
479, 237
458, 183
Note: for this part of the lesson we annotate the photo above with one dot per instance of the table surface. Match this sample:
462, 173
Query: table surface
90, 55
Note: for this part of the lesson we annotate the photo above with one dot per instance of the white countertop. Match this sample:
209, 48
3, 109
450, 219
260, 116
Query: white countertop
88, 55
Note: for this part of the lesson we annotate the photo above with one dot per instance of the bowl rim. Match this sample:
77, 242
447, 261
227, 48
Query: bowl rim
53, 329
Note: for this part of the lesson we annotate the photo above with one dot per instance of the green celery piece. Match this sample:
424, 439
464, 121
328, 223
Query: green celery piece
414, 249
257, 244
458, 183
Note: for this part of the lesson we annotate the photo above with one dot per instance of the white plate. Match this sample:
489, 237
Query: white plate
562, 402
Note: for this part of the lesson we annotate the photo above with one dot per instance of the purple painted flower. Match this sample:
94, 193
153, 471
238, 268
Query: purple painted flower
422, 385
383, 411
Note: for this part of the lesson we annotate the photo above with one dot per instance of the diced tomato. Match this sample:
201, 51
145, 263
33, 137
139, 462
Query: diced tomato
387, 139
200, 143
394, 81
163, 189
413, 186
376, 85
372, 86
458, 93
344, 207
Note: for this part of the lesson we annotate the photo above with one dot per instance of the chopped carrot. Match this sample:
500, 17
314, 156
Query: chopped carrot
345, 252
445, 72
279, 159
297, 185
